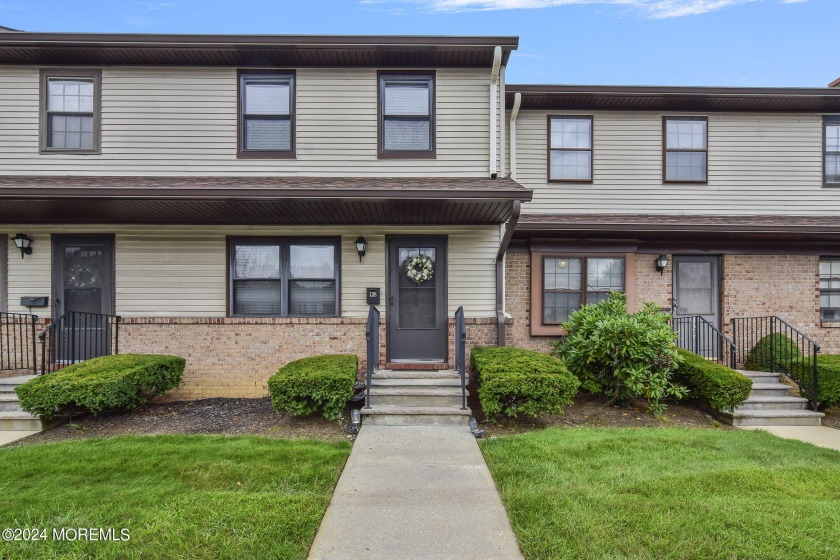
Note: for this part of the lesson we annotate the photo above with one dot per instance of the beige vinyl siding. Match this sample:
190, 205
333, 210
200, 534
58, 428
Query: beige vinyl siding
758, 164
182, 121
181, 271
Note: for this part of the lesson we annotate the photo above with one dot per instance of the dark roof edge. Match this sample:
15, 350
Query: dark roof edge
624, 91
548, 226
210, 40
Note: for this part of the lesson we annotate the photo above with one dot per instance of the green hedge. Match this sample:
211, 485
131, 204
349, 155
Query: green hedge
722, 387
828, 369
513, 381
118, 382
317, 384
784, 351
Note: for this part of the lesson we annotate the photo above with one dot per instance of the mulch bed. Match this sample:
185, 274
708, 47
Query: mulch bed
256, 417
588, 412
832, 418
207, 416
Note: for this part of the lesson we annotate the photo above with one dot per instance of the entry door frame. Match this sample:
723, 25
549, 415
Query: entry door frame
442, 300
717, 277
59, 241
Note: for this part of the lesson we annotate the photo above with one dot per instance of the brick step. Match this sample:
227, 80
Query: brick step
773, 418
416, 397
20, 421
416, 416
770, 390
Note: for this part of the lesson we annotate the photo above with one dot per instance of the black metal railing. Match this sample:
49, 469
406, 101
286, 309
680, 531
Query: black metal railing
75, 337
774, 344
461, 353
17, 342
372, 338
698, 335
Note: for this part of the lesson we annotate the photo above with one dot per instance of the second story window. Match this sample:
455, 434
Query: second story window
832, 151
70, 110
686, 149
570, 149
406, 115
266, 115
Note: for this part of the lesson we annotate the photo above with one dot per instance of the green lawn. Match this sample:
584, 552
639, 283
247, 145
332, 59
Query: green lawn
179, 496
668, 493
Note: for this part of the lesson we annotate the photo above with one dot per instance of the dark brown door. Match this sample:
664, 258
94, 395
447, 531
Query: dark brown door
83, 283
417, 320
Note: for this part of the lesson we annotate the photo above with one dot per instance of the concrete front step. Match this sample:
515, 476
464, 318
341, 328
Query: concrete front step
760, 376
416, 416
20, 420
770, 390
773, 418
420, 383
8, 384
413, 374
773, 403
411, 396
9, 403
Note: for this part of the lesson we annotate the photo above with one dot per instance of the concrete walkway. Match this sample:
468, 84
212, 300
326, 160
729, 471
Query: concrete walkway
11, 436
822, 436
415, 492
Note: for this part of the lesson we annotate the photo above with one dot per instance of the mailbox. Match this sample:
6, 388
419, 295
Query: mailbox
34, 301
373, 296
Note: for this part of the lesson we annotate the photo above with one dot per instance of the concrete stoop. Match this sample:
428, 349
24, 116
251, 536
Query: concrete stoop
416, 398
771, 404
12, 416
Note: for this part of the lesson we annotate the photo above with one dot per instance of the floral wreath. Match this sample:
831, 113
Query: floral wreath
419, 269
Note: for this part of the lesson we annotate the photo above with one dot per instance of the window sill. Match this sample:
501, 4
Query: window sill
572, 181
830, 324
406, 155
53, 151
831, 185
673, 183
266, 155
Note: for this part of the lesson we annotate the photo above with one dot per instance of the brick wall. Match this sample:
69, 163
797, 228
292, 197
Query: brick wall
518, 304
651, 285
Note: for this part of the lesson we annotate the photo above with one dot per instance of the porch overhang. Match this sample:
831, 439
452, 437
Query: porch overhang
655, 233
258, 200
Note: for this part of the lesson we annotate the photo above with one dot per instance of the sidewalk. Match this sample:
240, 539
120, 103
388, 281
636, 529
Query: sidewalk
415, 492
11, 436
822, 436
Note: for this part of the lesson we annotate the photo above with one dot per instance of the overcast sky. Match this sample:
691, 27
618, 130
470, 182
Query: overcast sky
650, 42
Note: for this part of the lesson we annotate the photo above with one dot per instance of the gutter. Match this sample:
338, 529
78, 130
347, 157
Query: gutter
500, 271
494, 84
514, 112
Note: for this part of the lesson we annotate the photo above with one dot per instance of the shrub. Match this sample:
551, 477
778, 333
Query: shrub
622, 356
119, 382
316, 384
513, 381
828, 369
784, 351
722, 387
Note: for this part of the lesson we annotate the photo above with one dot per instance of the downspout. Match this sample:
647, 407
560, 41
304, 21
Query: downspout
494, 82
500, 270
514, 112
502, 122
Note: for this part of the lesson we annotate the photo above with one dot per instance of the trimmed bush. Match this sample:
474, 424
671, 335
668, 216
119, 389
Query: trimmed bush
107, 383
317, 384
722, 387
621, 356
828, 369
784, 351
514, 381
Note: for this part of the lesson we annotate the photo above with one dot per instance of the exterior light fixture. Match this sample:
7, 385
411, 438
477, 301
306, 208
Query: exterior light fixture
23, 242
360, 247
661, 263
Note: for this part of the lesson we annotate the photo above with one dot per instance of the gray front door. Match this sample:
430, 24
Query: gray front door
697, 292
417, 319
83, 283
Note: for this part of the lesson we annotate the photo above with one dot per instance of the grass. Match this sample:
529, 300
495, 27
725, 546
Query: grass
201, 497
668, 494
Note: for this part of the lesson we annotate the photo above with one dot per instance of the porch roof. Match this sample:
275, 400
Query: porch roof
667, 232
257, 200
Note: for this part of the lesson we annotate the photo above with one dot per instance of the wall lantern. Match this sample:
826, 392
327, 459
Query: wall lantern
360, 247
23, 243
661, 263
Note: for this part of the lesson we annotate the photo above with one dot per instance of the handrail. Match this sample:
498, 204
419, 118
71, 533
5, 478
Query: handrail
696, 334
77, 336
372, 339
17, 341
749, 331
460, 353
